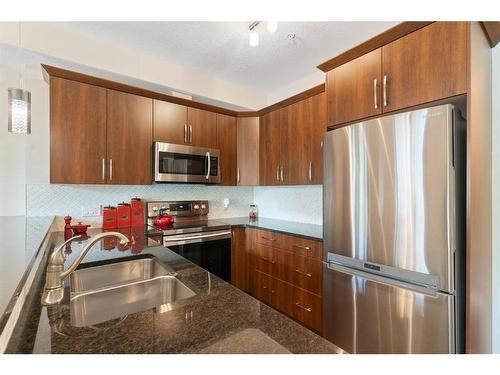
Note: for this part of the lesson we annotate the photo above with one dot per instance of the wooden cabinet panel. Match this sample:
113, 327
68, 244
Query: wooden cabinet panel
239, 259
426, 65
269, 238
350, 89
170, 122
308, 308
226, 140
307, 273
264, 288
316, 119
129, 138
77, 132
304, 246
269, 148
204, 128
248, 151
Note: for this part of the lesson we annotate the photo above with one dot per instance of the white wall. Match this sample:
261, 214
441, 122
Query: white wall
496, 198
296, 87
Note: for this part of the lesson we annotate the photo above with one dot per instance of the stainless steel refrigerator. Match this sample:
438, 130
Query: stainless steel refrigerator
394, 233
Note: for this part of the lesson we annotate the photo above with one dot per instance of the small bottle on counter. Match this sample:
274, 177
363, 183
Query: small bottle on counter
252, 215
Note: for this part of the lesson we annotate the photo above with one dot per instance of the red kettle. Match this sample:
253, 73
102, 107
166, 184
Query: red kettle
163, 219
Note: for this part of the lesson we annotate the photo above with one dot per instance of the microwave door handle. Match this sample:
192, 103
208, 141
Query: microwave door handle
208, 165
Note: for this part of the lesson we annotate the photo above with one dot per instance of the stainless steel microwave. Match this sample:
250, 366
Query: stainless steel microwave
180, 163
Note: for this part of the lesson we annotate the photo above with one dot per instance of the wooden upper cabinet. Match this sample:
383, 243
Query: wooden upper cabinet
269, 148
247, 171
316, 119
226, 139
426, 65
354, 89
129, 138
170, 122
203, 128
77, 132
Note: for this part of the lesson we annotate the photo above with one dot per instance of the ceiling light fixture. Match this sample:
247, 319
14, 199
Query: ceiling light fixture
253, 38
272, 26
19, 111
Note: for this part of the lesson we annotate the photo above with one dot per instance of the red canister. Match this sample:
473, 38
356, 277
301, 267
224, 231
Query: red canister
137, 212
109, 219
123, 215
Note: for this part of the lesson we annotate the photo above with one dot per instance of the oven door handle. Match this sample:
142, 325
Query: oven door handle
197, 237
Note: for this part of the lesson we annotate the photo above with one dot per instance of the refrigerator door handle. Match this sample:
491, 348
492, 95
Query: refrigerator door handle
383, 280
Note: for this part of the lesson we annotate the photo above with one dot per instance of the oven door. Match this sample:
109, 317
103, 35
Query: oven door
179, 163
209, 250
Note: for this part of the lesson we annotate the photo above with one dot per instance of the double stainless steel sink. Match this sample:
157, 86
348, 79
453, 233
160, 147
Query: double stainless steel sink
111, 291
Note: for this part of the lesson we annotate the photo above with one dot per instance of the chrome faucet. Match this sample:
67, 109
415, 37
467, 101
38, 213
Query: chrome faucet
54, 291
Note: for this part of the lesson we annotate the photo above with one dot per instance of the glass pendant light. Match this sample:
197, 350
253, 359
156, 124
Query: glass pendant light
19, 111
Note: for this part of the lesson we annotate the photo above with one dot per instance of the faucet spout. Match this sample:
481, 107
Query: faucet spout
54, 292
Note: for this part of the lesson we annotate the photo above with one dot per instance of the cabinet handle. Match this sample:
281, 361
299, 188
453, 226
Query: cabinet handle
278, 172
190, 134
384, 94
302, 247
110, 169
238, 175
281, 173
308, 309
269, 261
185, 133
268, 239
375, 100
103, 169
310, 170
303, 273
268, 290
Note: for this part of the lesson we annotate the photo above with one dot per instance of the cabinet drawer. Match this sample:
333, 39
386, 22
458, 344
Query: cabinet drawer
264, 287
306, 273
272, 261
305, 247
269, 238
308, 309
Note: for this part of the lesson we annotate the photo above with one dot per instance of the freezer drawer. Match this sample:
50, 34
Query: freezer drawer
365, 314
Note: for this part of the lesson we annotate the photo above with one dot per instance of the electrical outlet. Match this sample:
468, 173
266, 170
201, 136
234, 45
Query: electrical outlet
91, 211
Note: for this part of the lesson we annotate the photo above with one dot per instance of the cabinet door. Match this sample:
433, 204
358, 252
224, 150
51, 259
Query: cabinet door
295, 144
353, 89
77, 132
239, 259
203, 125
426, 65
316, 121
247, 171
226, 139
170, 122
308, 309
270, 149
129, 138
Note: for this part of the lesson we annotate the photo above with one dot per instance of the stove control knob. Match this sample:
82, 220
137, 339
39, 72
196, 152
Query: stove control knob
196, 206
155, 209
203, 206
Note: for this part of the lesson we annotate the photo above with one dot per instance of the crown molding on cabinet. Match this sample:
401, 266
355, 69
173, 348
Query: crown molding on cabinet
492, 31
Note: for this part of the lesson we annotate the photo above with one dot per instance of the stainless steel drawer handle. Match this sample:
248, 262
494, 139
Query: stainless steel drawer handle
384, 94
103, 169
308, 309
268, 239
190, 134
267, 289
302, 247
375, 99
310, 170
110, 169
303, 273
185, 134
269, 261
238, 175
277, 173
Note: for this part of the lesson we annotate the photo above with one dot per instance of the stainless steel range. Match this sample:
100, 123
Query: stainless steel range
204, 242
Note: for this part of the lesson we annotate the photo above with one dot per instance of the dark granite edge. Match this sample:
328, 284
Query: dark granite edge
256, 225
6, 314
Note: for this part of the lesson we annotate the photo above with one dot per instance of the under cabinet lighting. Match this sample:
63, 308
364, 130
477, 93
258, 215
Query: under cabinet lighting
19, 111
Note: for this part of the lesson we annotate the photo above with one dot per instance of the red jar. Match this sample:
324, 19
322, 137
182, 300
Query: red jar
123, 215
109, 217
137, 212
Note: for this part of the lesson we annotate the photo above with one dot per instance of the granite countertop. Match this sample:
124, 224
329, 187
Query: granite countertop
21, 238
218, 319
311, 231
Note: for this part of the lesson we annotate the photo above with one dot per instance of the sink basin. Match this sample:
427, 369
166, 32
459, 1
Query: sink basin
111, 291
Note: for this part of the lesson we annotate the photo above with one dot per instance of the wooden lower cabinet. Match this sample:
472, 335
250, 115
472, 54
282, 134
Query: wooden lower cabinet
286, 274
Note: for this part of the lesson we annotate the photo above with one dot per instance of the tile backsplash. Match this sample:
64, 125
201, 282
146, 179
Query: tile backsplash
294, 203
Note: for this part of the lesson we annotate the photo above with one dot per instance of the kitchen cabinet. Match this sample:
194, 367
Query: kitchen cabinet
247, 171
316, 118
426, 65
240, 259
226, 143
203, 128
270, 148
77, 132
170, 123
129, 138
178, 124
354, 89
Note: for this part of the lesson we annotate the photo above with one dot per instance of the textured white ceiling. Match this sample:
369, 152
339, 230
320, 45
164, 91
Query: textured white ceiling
222, 49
